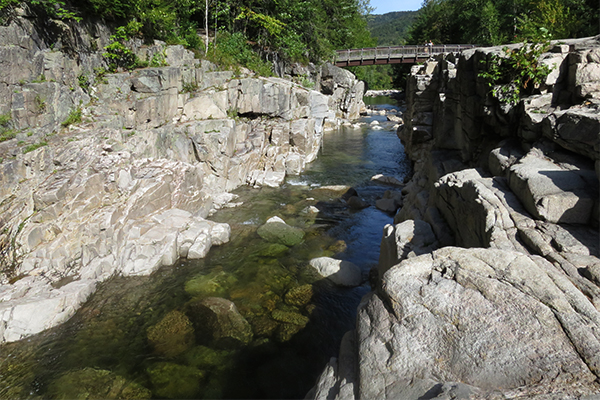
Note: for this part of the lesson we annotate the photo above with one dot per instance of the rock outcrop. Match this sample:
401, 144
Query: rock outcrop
106, 174
488, 281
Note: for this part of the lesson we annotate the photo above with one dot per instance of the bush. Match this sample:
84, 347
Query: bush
519, 71
233, 50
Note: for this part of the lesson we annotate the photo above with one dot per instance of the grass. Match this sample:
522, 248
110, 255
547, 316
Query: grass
34, 146
5, 132
73, 118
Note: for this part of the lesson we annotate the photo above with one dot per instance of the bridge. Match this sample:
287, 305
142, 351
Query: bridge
394, 54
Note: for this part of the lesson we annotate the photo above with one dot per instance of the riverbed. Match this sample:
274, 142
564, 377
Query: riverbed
108, 348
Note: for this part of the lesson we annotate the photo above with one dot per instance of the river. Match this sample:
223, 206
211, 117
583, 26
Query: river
105, 350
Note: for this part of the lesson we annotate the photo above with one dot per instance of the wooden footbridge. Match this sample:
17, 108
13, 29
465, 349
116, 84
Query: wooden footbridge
394, 54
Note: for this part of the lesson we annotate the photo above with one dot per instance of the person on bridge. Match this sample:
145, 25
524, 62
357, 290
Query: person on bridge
430, 46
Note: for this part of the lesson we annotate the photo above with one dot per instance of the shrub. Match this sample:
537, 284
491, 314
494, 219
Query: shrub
520, 70
233, 50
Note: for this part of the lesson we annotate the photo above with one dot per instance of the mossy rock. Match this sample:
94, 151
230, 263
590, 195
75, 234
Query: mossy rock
207, 358
218, 322
175, 381
285, 332
299, 295
263, 326
269, 250
276, 278
290, 317
173, 335
215, 284
280, 232
90, 383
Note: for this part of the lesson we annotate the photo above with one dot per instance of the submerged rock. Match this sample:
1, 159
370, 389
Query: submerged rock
175, 381
215, 284
173, 335
90, 383
207, 358
218, 321
299, 296
275, 230
289, 317
342, 273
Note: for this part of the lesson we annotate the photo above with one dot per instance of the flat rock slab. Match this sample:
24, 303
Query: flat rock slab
550, 192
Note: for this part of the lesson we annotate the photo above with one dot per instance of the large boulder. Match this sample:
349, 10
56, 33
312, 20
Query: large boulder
481, 322
551, 192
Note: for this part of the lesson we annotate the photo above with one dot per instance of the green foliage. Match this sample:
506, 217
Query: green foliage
34, 146
391, 29
159, 60
6, 6
40, 103
73, 118
508, 77
83, 81
5, 132
55, 9
189, 87
116, 54
233, 50
493, 22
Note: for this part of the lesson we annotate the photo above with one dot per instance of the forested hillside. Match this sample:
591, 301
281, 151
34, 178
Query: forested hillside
493, 22
391, 29
299, 30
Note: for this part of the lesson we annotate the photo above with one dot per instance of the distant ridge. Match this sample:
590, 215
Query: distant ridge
391, 28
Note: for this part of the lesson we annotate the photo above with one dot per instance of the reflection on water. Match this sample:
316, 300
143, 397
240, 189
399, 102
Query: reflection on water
176, 334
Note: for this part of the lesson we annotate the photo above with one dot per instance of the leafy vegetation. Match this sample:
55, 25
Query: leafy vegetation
391, 29
494, 22
6, 133
73, 118
519, 71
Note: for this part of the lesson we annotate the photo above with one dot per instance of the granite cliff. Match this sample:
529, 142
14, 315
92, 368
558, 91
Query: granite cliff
115, 173
488, 282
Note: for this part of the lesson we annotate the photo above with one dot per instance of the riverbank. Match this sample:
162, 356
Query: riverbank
107, 174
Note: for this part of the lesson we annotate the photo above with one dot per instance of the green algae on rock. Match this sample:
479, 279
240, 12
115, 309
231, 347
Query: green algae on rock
214, 284
299, 295
91, 383
275, 230
175, 381
173, 335
218, 321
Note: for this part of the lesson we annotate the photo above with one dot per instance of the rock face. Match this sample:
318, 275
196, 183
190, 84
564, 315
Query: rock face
488, 281
126, 188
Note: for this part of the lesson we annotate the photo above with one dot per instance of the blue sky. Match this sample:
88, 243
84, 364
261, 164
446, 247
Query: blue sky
386, 6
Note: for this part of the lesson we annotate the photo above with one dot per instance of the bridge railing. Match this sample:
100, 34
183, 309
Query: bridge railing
392, 52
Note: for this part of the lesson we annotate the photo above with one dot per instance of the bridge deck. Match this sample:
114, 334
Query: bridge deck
394, 54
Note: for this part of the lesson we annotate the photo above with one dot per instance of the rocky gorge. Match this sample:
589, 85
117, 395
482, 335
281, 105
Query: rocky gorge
488, 282
127, 187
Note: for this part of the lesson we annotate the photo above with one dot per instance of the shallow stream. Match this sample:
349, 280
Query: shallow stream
135, 337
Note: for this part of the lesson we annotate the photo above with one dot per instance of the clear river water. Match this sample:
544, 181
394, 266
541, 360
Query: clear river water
109, 349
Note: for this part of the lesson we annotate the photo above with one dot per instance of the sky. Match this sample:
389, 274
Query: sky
386, 6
